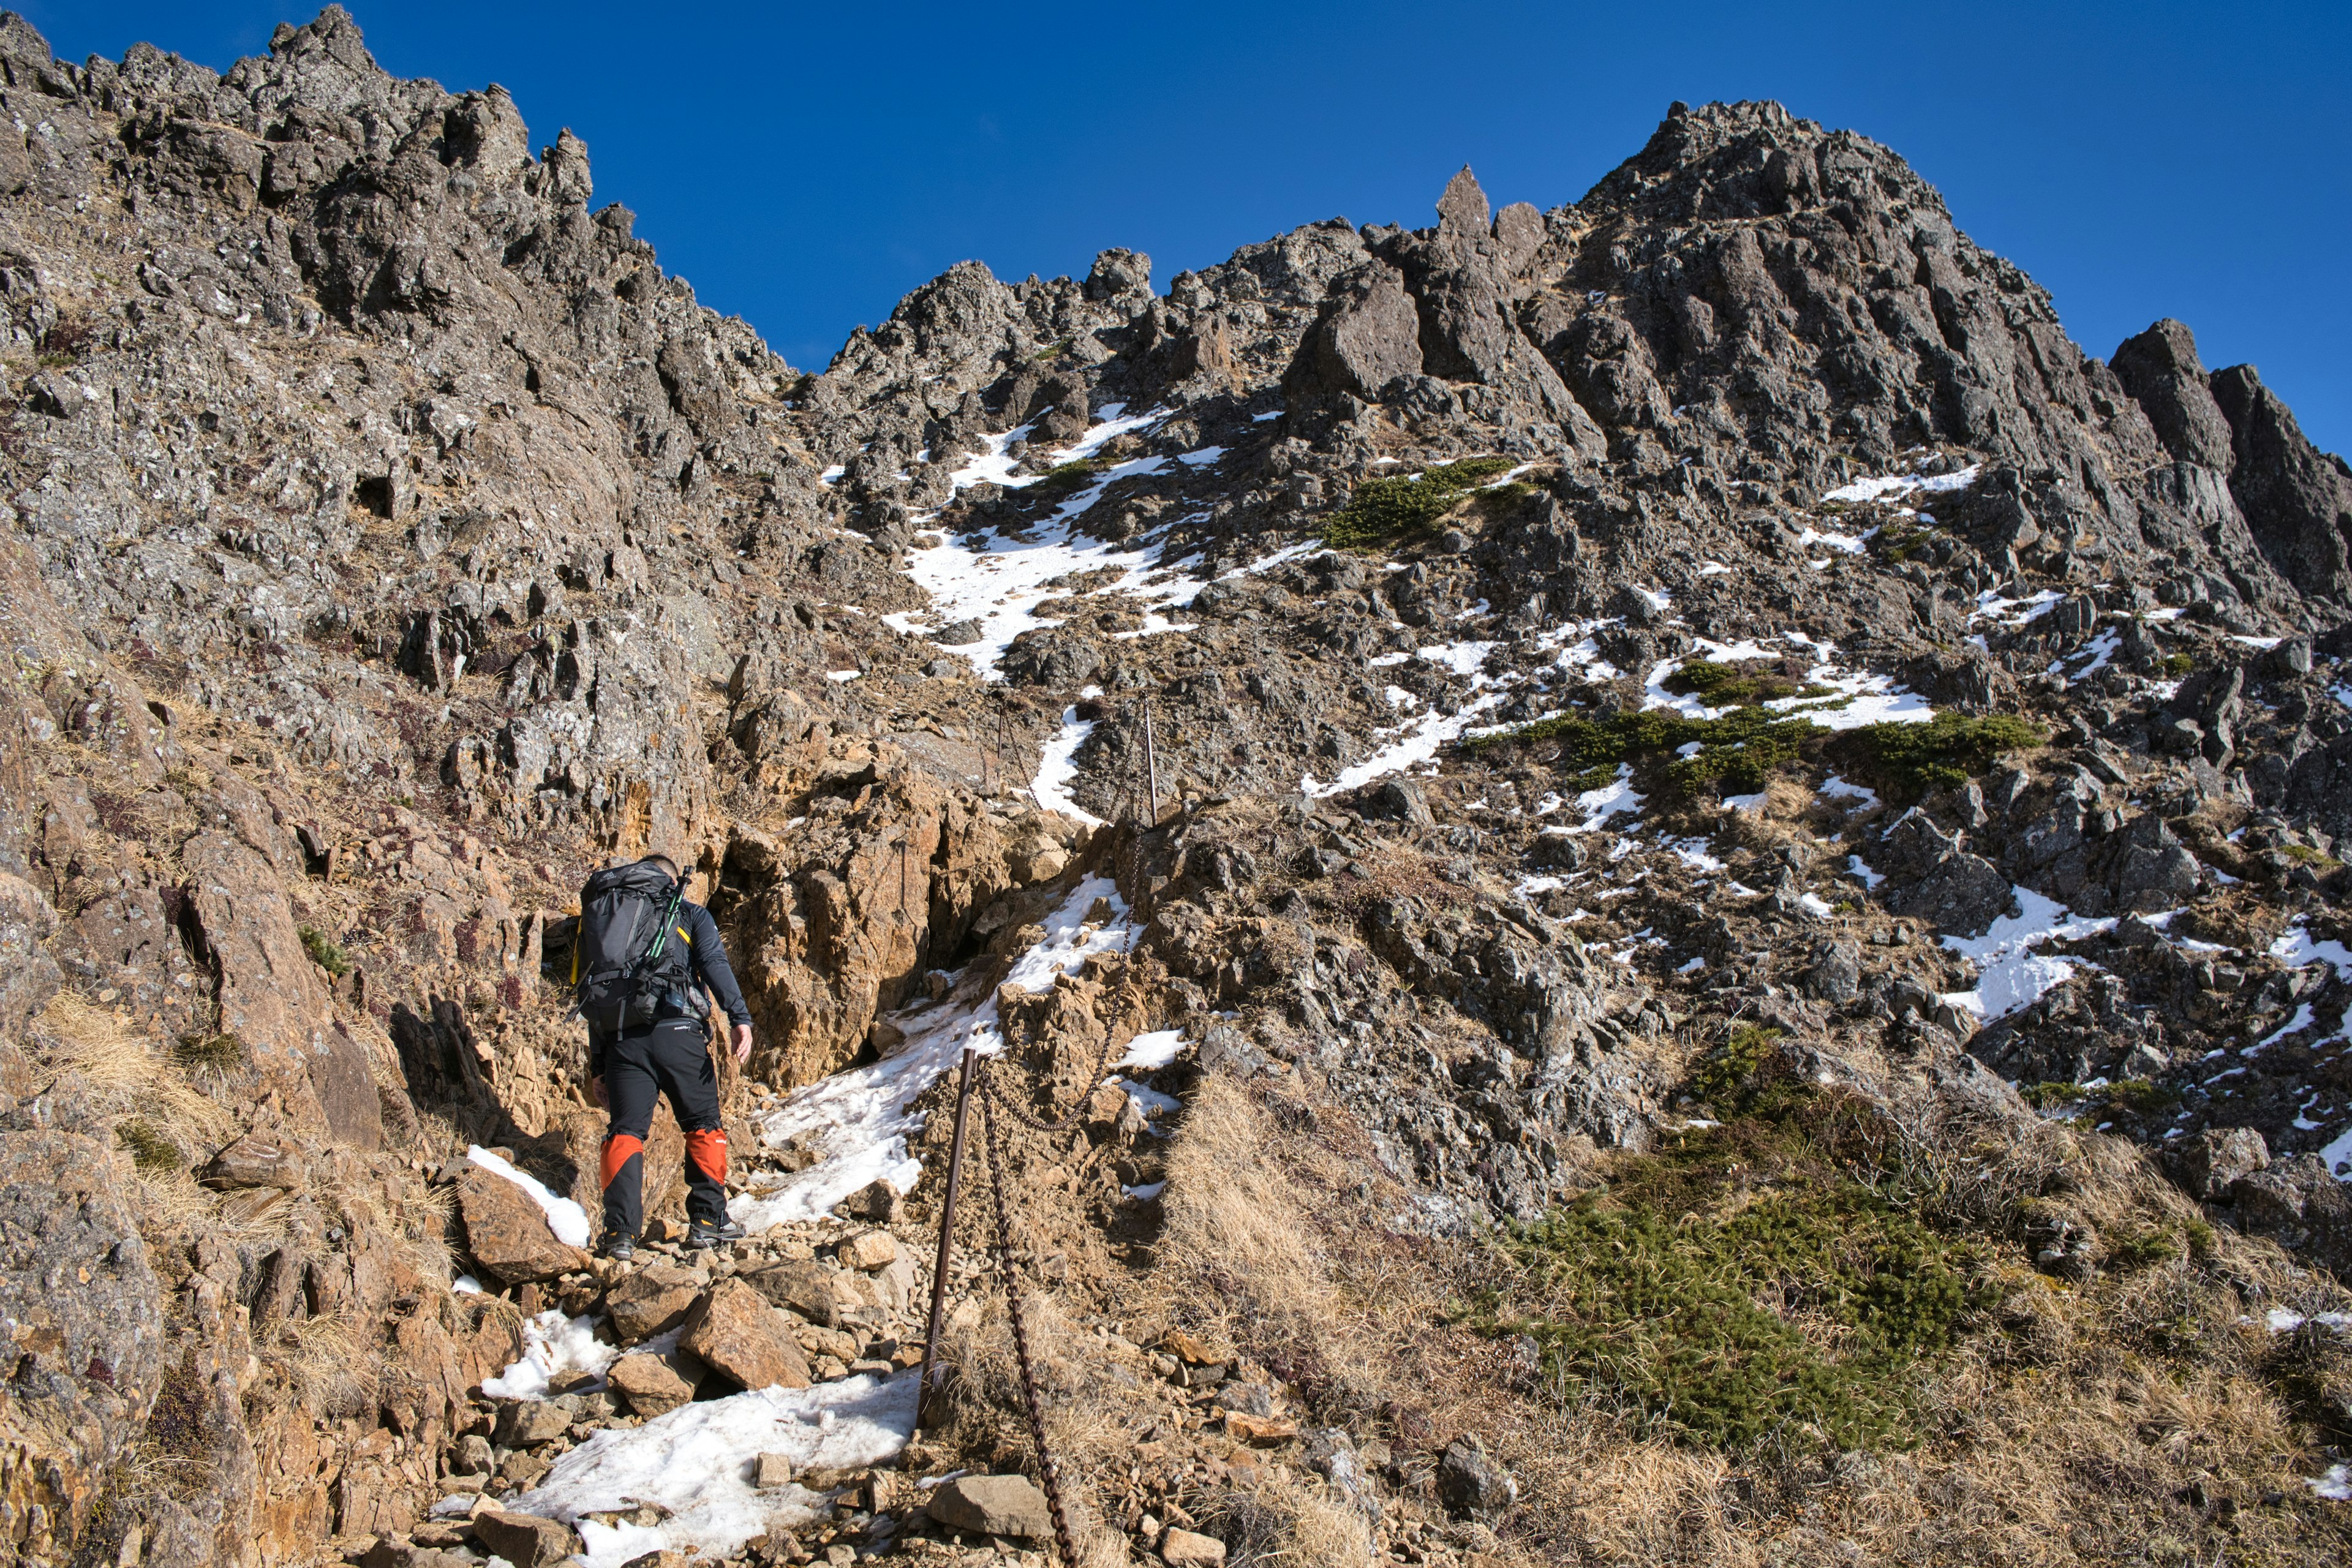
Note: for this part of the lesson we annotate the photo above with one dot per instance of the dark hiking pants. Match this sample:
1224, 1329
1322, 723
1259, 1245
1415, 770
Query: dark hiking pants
671, 1057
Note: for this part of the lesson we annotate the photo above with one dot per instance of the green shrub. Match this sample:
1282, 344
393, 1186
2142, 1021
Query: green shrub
1737, 750
2138, 1246
1725, 685
219, 1052
1728, 1078
324, 950
2177, 664
1942, 753
149, 1148
1379, 510
1767, 1281
2052, 1095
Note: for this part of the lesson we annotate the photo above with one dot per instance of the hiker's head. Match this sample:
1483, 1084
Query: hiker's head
667, 867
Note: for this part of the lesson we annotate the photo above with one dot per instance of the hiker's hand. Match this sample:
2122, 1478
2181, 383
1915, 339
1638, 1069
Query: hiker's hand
596, 1090
743, 1043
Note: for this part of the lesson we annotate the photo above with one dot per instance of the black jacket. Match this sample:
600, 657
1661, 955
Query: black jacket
708, 949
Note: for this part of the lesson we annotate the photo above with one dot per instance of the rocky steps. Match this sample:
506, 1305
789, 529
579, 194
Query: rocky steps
1463, 686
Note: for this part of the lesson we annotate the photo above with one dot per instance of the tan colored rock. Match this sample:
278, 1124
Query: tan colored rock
772, 1471
507, 1232
868, 1251
650, 1384
1191, 1348
1184, 1549
817, 1291
1261, 1430
524, 1540
876, 1201
272, 996
993, 1505
254, 1163
651, 1301
742, 1336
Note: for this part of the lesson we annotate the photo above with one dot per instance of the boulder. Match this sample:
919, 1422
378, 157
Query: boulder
1186, 1549
868, 1251
1368, 337
2301, 1205
993, 1505
739, 1335
528, 1423
254, 1163
86, 1338
876, 1201
650, 1301
650, 1384
28, 975
507, 1232
525, 1540
1471, 1485
2217, 1157
817, 1292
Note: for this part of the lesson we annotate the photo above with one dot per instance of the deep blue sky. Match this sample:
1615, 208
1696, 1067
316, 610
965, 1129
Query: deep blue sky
805, 165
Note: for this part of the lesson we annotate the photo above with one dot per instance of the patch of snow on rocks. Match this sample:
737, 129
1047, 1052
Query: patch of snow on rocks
1057, 764
860, 1119
697, 1463
567, 1219
1884, 486
2009, 973
552, 1343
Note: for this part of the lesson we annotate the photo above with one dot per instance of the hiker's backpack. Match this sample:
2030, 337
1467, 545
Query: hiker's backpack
627, 955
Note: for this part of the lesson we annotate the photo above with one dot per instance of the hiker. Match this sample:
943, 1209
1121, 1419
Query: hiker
645, 964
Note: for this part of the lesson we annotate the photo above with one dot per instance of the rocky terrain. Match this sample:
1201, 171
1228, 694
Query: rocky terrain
1666, 873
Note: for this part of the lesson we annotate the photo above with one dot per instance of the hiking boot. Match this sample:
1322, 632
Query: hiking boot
619, 1249
701, 1233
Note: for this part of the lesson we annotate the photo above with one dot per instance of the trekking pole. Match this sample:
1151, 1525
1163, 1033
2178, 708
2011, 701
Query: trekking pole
947, 1230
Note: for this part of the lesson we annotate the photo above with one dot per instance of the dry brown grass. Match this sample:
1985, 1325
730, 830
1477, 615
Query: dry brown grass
1286, 1519
329, 1364
128, 1075
1091, 1421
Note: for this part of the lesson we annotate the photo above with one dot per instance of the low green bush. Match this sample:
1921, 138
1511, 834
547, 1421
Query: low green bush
1771, 1279
1737, 750
323, 951
1380, 510
1942, 753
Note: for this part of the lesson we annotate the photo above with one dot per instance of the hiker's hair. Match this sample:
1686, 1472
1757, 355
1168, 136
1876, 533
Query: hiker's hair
665, 862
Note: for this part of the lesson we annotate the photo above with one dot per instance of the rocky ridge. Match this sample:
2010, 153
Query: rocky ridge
1490, 695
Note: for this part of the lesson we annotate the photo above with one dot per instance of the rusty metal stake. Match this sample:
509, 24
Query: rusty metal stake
947, 1231
1152, 760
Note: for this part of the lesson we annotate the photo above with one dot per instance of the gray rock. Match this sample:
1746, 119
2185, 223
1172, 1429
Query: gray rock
2217, 1157
1472, 1486
86, 1315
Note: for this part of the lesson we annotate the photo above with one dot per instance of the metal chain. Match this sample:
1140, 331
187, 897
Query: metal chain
1047, 1470
1038, 1124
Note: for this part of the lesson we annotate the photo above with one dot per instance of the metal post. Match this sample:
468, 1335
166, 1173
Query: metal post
947, 1231
1151, 761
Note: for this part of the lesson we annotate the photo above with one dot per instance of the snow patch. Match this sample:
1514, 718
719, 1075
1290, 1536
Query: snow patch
697, 1461
860, 1119
2009, 973
1058, 765
1880, 488
552, 1345
567, 1219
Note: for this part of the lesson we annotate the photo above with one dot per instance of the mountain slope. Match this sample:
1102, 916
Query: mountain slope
1704, 851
